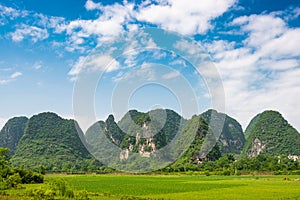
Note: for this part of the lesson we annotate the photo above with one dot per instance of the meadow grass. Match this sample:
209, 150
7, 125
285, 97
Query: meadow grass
187, 187
181, 186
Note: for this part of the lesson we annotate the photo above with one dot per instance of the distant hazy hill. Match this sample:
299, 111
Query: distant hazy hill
12, 132
232, 138
51, 141
270, 133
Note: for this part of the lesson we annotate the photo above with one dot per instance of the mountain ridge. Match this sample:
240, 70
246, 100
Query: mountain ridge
46, 137
50, 141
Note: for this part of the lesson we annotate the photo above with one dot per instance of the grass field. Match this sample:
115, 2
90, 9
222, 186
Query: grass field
183, 187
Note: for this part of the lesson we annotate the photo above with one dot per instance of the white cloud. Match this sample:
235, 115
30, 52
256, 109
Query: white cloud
179, 62
283, 64
188, 47
185, 17
264, 72
258, 26
90, 5
146, 72
284, 46
37, 65
219, 46
171, 75
49, 22
32, 32
12, 77
4, 81
106, 27
15, 75
8, 13
94, 63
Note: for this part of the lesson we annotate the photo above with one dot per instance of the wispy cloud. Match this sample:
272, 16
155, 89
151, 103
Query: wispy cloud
15, 75
32, 32
171, 75
38, 65
179, 62
94, 63
12, 77
4, 81
8, 13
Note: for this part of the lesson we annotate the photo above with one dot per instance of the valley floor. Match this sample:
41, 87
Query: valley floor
174, 187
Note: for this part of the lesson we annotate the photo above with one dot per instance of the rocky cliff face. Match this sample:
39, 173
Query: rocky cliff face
257, 147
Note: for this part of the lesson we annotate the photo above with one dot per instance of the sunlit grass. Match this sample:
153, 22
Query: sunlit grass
181, 187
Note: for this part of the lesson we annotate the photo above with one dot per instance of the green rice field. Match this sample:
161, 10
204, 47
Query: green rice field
181, 186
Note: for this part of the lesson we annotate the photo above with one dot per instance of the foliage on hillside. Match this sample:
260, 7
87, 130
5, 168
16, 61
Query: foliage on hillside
251, 125
202, 139
228, 165
54, 143
135, 139
232, 138
269, 133
50, 143
12, 177
12, 132
136, 128
159, 125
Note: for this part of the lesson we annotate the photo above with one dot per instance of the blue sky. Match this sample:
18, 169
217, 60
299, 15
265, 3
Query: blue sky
253, 45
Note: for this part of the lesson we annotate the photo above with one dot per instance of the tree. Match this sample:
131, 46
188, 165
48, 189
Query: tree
3, 157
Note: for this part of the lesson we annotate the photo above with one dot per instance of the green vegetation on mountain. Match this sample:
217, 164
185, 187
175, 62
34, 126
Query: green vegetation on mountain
47, 142
53, 143
159, 126
231, 138
93, 132
138, 139
203, 146
12, 132
269, 133
13, 177
139, 131
251, 125
142, 133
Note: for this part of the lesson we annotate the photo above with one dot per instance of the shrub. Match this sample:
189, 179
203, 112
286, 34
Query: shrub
207, 173
59, 186
28, 176
82, 195
226, 172
13, 181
